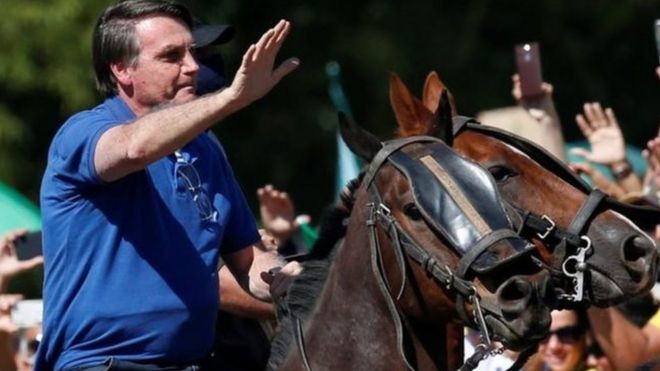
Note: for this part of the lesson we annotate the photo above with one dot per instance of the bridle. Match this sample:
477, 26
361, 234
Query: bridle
572, 243
475, 253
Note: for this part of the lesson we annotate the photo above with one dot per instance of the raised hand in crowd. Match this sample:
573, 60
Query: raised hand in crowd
8, 331
278, 213
601, 128
652, 156
9, 263
542, 109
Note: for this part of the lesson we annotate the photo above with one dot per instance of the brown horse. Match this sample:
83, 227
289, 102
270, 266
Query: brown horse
427, 243
620, 261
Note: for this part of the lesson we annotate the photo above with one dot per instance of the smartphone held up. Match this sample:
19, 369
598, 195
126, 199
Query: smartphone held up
28, 246
528, 63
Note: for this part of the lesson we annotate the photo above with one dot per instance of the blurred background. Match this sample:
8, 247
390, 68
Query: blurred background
602, 51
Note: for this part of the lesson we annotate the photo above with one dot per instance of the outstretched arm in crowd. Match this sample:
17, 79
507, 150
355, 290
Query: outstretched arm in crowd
623, 342
9, 263
601, 128
542, 109
600, 180
652, 156
8, 330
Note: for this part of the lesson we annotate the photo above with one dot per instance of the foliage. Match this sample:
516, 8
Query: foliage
591, 51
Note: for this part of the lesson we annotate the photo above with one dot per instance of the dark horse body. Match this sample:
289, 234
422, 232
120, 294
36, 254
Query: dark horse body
384, 308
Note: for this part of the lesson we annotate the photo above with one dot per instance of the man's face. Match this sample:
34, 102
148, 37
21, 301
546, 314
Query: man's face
165, 70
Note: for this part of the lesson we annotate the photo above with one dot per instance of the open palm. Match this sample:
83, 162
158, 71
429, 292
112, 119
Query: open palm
601, 129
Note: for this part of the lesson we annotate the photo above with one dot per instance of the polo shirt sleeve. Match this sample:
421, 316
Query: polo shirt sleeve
74, 146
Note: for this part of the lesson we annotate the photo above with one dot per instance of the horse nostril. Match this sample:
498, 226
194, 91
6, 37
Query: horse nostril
514, 295
636, 247
636, 250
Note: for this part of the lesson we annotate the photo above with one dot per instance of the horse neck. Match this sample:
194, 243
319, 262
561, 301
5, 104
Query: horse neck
351, 326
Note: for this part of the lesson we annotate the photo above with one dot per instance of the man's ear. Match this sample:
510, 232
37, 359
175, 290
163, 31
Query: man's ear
122, 72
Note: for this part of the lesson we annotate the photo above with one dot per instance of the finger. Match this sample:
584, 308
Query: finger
581, 152
547, 88
515, 91
611, 117
599, 115
285, 68
248, 57
283, 32
279, 27
583, 125
592, 117
32, 263
261, 51
581, 167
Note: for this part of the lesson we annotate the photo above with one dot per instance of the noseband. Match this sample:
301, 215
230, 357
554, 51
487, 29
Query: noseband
573, 243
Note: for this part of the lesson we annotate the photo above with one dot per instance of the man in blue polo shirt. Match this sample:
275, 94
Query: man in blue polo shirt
138, 201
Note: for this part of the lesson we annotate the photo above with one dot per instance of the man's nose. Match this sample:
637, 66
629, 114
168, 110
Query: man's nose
190, 65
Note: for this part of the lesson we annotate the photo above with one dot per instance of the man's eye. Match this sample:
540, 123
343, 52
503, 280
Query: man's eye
173, 56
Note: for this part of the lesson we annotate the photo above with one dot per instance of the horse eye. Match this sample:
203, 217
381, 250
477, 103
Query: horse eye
501, 173
412, 212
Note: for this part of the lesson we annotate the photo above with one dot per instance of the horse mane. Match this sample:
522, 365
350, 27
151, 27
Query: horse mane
306, 288
333, 226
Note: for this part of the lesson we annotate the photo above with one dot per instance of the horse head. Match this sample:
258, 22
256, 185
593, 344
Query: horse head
441, 241
593, 250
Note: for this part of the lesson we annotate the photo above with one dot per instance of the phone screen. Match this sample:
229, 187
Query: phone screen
657, 37
528, 62
29, 246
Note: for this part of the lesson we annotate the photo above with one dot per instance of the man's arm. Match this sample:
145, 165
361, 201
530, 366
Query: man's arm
128, 148
624, 343
234, 299
250, 267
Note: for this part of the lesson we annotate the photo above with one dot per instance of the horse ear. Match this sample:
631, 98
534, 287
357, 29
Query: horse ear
431, 95
432, 89
443, 127
358, 140
413, 118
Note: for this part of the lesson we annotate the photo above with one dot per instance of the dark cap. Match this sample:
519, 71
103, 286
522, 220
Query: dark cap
212, 34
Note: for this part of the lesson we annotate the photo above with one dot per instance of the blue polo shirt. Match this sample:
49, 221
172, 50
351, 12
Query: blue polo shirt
131, 265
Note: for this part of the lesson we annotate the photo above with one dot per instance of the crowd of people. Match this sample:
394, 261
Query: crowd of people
600, 339
148, 239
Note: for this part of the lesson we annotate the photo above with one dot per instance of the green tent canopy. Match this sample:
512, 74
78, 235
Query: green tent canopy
16, 211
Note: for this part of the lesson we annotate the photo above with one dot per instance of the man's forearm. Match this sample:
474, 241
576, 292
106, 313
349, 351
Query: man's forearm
128, 148
234, 299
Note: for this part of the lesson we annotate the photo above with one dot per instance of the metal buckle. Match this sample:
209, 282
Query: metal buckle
549, 229
580, 266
